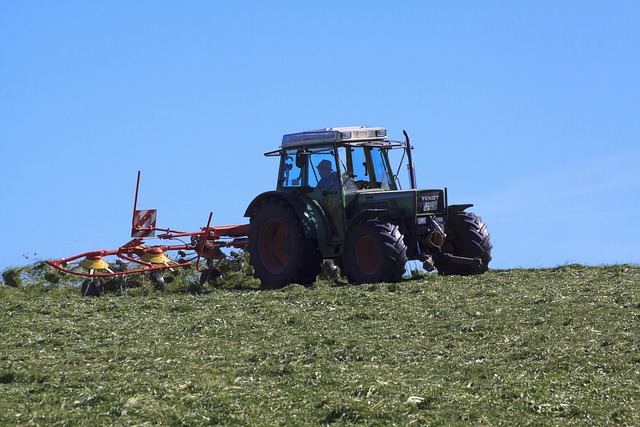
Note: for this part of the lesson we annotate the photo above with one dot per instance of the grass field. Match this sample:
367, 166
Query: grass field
556, 346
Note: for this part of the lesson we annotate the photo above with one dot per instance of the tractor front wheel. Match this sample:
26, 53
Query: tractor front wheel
280, 253
468, 237
374, 252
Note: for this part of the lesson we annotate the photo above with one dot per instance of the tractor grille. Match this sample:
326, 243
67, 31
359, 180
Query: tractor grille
430, 202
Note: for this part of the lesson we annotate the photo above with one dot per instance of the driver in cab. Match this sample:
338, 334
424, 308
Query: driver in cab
329, 178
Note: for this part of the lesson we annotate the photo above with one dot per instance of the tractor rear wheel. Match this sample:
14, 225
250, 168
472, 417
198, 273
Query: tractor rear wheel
374, 252
280, 253
468, 237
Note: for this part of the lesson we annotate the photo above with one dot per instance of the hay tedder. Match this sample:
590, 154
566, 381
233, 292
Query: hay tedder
202, 248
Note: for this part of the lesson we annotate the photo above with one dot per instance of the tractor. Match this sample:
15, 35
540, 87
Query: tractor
338, 200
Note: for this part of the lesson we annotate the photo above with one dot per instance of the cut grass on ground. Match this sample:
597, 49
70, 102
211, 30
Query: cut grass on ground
554, 346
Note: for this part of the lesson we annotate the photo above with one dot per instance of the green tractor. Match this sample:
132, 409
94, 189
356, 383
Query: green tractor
338, 200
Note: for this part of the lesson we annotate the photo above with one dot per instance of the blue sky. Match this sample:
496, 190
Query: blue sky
528, 109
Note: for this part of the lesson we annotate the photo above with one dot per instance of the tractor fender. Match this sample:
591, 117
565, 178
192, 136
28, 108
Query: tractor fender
458, 208
295, 201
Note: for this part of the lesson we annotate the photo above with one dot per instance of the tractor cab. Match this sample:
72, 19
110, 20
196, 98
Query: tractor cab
336, 160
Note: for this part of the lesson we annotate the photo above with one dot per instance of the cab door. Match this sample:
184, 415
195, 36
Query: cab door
328, 189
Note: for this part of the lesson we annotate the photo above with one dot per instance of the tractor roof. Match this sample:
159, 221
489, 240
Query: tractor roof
351, 135
342, 134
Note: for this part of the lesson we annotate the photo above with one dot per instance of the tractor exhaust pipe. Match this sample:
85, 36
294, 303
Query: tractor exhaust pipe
410, 165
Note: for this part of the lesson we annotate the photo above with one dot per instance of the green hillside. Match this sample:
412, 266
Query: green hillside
556, 346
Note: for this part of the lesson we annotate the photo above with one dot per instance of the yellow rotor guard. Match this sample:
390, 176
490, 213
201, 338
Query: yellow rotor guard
96, 263
156, 258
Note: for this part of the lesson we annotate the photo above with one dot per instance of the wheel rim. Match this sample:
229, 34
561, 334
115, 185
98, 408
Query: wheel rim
274, 246
367, 255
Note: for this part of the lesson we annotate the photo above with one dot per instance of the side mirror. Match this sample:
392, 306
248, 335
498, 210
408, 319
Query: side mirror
301, 158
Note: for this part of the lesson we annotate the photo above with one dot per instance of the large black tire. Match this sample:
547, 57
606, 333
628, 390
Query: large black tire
280, 253
467, 236
374, 252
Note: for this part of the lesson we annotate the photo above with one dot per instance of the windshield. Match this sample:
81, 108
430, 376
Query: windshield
353, 167
369, 167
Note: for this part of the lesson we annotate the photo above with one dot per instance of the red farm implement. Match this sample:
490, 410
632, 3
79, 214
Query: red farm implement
139, 256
